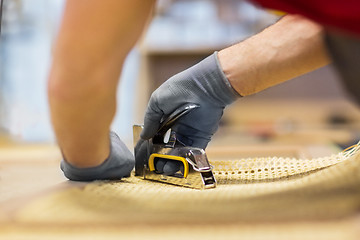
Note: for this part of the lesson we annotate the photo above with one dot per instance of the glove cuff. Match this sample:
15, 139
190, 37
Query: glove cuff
218, 84
234, 95
118, 165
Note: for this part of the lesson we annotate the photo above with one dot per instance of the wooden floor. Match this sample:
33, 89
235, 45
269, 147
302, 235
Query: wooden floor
28, 169
28, 172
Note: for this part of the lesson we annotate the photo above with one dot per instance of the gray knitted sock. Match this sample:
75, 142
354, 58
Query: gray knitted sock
119, 164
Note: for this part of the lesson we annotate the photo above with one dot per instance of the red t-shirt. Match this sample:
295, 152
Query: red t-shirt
337, 14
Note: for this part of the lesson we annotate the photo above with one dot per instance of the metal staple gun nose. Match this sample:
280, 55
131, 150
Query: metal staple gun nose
196, 172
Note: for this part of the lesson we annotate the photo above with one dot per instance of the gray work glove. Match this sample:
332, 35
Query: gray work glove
119, 164
203, 84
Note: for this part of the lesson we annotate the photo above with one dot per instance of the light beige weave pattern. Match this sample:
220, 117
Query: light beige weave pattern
272, 168
289, 189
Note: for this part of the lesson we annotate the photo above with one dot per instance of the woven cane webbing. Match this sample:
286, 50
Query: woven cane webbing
272, 168
317, 189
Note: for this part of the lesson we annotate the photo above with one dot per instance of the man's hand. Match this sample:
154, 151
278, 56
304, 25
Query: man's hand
203, 84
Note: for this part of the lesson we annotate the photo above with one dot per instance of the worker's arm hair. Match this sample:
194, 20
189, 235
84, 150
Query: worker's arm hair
289, 48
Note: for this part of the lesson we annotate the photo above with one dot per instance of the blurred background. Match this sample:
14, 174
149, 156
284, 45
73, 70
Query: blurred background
308, 117
313, 108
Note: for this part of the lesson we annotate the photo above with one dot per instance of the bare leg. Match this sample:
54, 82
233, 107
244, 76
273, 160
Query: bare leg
93, 41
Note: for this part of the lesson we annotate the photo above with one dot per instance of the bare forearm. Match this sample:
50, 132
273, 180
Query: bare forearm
291, 47
93, 42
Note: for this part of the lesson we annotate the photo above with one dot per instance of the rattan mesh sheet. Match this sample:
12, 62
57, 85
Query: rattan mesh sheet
312, 230
290, 190
272, 168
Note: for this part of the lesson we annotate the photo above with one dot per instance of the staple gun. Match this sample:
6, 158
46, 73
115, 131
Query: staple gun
195, 171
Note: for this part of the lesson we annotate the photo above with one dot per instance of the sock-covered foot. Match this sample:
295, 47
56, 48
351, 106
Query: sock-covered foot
119, 164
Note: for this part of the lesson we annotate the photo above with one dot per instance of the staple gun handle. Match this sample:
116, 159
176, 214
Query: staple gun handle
171, 158
168, 122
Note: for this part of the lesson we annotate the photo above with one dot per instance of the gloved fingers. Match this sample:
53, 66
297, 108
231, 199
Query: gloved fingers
193, 135
193, 140
200, 143
168, 167
141, 155
151, 126
152, 118
171, 167
196, 128
159, 165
